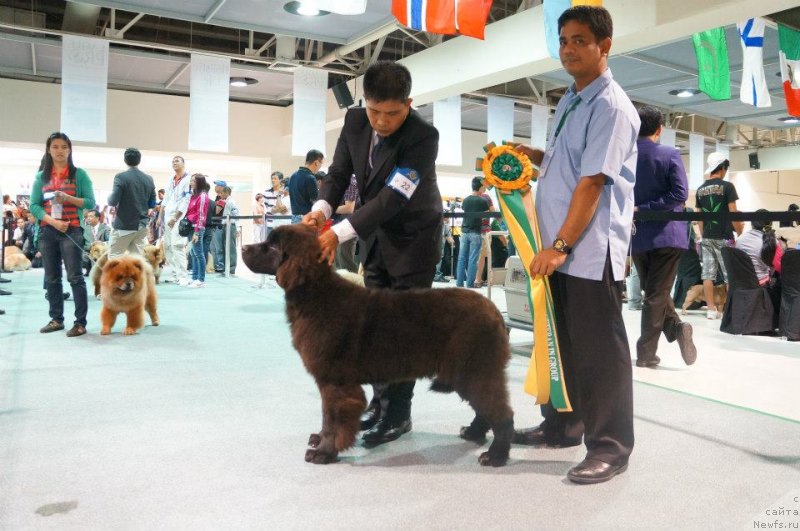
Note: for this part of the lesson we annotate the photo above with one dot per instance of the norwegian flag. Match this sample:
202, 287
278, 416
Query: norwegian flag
448, 17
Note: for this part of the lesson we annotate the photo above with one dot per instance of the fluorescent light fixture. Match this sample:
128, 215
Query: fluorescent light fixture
243, 81
684, 92
305, 8
789, 119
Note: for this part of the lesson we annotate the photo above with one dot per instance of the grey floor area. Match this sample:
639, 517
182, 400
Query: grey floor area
201, 423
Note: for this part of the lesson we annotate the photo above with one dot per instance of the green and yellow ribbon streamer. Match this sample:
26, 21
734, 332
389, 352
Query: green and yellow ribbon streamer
510, 172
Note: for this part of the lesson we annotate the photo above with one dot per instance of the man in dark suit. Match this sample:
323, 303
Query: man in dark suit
392, 153
133, 195
657, 246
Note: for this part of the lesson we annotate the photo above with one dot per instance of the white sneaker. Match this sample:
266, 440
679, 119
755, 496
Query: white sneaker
713, 314
197, 284
184, 282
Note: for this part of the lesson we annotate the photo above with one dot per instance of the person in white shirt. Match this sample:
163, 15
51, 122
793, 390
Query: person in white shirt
173, 208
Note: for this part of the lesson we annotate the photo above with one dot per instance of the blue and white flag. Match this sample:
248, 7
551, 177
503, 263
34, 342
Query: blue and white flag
754, 90
552, 10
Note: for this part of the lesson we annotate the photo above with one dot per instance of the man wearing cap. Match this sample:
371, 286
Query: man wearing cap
176, 201
657, 246
716, 195
133, 195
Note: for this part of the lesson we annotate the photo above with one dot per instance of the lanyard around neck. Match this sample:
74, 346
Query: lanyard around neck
564, 116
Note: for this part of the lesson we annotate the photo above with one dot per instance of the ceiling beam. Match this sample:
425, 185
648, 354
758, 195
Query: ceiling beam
213, 11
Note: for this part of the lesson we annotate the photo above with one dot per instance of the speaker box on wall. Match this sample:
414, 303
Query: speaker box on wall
754, 163
343, 96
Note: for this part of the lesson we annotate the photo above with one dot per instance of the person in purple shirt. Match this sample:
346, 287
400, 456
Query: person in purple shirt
657, 246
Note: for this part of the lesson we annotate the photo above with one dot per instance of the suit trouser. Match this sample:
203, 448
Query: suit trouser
657, 269
175, 251
134, 243
395, 399
597, 367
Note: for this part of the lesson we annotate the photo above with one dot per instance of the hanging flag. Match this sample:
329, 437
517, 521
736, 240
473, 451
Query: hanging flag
754, 90
789, 42
447, 17
552, 10
714, 76
340, 7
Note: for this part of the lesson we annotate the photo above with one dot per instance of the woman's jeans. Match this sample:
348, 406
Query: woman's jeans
67, 248
199, 251
468, 253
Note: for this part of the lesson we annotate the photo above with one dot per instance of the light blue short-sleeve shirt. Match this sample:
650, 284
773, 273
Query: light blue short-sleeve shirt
598, 135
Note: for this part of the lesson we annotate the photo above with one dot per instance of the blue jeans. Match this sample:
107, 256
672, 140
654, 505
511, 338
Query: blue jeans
468, 253
297, 218
199, 257
635, 301
218, 249
67, 248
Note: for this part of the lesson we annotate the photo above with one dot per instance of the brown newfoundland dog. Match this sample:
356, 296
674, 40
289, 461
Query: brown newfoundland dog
348, 335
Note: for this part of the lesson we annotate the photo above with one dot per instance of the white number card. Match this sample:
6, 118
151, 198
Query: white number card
404, 181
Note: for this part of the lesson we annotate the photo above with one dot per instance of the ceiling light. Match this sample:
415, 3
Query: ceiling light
242, 81
789, 120
684, 93
304, 8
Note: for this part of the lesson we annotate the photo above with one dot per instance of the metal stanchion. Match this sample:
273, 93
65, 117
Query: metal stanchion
492, 234
227, 251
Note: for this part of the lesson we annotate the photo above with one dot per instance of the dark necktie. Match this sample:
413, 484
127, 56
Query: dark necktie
376, 149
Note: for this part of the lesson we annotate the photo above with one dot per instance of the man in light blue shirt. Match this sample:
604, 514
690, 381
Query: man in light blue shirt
584, 203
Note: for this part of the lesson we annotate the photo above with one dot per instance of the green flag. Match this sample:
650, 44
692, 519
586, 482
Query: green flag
712, 63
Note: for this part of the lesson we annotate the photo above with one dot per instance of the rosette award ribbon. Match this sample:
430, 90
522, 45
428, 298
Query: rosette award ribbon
510, 172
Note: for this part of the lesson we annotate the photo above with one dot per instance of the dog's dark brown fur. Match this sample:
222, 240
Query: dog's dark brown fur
348, 335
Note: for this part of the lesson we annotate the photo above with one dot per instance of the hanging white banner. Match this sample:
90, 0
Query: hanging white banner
667, 137
539, 116
308, 110
209, 92
500, 120
697, 160
724, 148
84, 84
447, 119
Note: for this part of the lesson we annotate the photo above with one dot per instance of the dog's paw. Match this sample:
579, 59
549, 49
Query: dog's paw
683, 311
314, 439
319, 458
105, 331
129, 331
468, 433
487, 459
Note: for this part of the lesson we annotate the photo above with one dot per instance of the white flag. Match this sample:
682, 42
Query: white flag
84, 80
754, 89
209, 91
340, 7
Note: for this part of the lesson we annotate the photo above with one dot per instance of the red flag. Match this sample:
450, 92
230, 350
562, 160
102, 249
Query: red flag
448, 17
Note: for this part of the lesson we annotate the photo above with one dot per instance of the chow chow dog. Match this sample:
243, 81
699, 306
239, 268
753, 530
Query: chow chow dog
128, 286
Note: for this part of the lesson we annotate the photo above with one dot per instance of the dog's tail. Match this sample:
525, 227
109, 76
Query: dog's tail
439, 386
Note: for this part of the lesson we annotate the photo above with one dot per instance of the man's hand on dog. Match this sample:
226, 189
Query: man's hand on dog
314, 219
547, 261
328, 241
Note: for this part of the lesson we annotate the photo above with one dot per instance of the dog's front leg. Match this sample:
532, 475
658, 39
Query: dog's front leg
323, 448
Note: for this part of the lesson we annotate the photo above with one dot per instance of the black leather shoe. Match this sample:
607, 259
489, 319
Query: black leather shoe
650, 364
385, 431
370, 417
591, 471
538, 437
683, 335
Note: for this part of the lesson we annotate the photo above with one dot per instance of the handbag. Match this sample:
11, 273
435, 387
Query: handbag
185, 227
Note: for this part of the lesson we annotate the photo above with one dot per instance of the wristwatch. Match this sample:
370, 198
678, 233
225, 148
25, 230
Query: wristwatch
560, 245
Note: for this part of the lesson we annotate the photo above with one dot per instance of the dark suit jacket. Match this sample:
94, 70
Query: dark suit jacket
407, 231
661, 184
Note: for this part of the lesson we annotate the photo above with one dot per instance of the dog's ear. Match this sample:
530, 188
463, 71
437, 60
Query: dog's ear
299, 251
111, 263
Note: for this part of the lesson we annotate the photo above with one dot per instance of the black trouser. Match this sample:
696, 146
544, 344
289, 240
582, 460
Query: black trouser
394, 399
597, 367
657, 269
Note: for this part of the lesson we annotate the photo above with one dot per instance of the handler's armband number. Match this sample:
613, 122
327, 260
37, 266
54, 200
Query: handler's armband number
404, 181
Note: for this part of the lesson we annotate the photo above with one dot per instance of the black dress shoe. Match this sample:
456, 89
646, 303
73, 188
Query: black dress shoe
538, 437
650, 364
591, 471
370, 417
385, 431
683, 335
